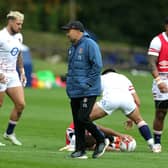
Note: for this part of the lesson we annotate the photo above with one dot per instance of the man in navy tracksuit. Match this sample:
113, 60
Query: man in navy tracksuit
83, 86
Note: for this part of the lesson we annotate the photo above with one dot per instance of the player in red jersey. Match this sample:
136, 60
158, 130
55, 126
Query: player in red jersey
158, 56
114, 137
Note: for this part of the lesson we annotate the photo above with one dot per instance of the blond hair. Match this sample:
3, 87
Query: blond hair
15, 15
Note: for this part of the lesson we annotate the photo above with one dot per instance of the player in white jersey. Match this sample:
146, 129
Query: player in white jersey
119, 93
158, 56
10, 58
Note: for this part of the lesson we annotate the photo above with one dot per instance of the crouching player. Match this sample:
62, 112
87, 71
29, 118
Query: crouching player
118, 93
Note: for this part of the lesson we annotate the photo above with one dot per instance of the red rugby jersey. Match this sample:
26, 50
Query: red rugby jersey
162, 63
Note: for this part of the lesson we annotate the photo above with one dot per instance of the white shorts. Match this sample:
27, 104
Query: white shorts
12, 80
157, 95
125, 102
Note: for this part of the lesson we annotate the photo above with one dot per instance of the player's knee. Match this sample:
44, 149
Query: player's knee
160, 115
20, 106
136, 117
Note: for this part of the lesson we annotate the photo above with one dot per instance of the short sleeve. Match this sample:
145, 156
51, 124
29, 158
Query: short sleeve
154, 47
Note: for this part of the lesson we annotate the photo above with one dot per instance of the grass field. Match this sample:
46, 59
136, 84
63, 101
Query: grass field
42, 131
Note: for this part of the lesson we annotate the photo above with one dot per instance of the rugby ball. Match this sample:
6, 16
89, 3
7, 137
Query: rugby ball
128, 145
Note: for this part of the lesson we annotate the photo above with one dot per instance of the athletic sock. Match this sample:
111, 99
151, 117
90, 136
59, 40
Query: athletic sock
157, 136
11, 126
144, 130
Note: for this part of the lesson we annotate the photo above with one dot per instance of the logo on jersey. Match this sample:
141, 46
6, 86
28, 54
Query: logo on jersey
14, 51
80, 50
80, 53
163, 64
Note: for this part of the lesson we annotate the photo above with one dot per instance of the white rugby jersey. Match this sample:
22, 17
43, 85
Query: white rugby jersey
114, 82
10, 47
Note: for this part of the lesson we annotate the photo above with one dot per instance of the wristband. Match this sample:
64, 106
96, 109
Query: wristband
158, 80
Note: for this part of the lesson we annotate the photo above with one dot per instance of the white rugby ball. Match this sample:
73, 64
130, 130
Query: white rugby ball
128, 144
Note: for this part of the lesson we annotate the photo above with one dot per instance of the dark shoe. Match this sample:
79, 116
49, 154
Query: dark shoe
79, 155
100, 148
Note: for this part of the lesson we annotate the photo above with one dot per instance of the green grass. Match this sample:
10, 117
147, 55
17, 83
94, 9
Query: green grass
56, 68
42, 131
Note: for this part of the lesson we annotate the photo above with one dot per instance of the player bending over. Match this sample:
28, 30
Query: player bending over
118, 93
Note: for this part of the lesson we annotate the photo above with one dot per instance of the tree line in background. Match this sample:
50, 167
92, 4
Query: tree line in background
128, 21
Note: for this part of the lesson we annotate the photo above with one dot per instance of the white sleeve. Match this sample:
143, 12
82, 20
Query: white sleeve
130, 86
154, 47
